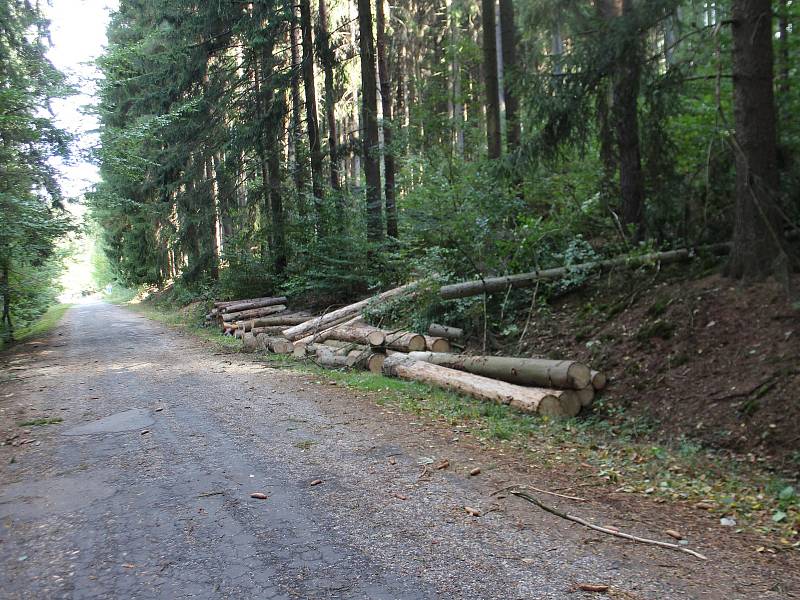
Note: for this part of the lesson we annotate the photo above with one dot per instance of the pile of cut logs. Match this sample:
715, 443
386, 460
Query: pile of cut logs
340, 338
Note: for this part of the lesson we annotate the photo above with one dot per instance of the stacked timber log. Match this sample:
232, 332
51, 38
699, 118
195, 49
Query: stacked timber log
340, 339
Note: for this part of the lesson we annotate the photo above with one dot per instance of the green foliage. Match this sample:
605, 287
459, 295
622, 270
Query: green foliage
32, 216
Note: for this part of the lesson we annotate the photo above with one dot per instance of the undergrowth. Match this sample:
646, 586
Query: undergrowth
42, 325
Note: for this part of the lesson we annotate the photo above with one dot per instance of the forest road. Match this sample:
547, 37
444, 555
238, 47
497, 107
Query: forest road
144, 489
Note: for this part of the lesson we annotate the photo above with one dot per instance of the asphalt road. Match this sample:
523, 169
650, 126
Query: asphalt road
143, 491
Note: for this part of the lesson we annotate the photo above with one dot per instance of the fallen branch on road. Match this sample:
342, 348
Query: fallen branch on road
553, 511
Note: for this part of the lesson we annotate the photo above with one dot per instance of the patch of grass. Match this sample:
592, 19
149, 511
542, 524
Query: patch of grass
41, 326
43, 421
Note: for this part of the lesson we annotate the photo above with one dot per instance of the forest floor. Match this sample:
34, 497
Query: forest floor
143, 444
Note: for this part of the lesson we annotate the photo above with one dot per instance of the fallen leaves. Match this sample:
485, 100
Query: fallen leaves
473, 512
259, 495
442, 464
400, 496
475, 471
316, 482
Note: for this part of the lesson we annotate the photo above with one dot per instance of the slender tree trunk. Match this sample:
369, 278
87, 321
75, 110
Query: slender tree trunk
369, 109
492, 100
5, 289
626, 118
757, 234
508, 33
215, 220
328, 59
783, 48
386, 105
312, 121
299, 171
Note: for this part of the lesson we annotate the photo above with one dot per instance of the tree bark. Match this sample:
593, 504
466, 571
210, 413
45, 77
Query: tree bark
562, 374
386, 106
554, 403
626, 117
757, 234
508, 33
312, 121
344, 313
299, 171
369, 110
328, 60
253, 313
492, 91
255, 303
451, 333
523, 280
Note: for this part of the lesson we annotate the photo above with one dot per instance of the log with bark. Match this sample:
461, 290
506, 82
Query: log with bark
599, 380
451, 333
405, 341
345, 313
275, 344
249, 342
586, 395
358, 333
522, 280
253, 313
553, 403
437, 344
287, 320
251, 304
563, 374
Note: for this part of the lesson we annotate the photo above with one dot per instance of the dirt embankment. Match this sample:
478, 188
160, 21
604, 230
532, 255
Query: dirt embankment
702, 358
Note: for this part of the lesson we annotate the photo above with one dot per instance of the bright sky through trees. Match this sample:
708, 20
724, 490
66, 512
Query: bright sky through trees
78, 33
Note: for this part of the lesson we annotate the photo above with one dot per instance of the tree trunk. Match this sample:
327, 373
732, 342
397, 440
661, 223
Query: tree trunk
369, 110
5, 289
255, 303
253, 313
346, 312
386, 105
554, 403
626, 118
523, 280
358, 333
312, 121
328, 60
563, 374
299, 172
492, 100
508, 33
405, 342
757, 234
451, 333
437, 344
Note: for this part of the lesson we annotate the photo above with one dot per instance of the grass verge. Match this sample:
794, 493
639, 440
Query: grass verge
618, 451
41, 326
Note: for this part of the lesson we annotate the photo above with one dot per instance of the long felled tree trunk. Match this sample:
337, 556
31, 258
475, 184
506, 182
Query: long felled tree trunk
757, 235
386, 105
493, 140
312, 120
369, 110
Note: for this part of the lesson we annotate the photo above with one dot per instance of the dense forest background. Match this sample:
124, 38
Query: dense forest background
325, 150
